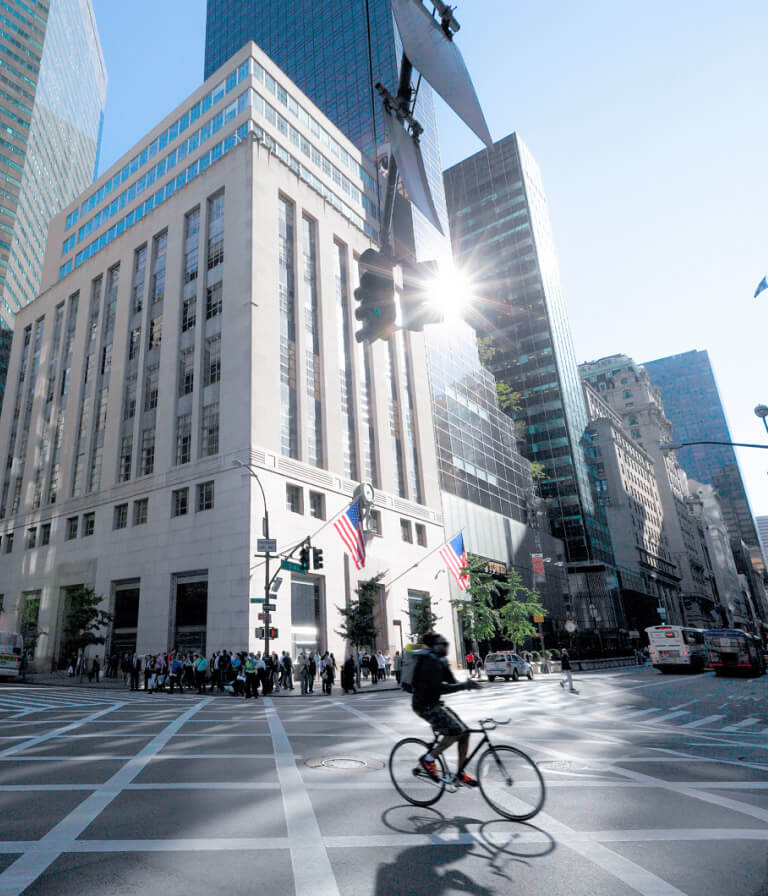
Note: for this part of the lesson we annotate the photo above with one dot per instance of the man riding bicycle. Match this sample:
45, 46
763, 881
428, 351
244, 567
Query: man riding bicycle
433, 678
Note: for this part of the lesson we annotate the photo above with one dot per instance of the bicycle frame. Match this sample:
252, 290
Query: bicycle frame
484, 740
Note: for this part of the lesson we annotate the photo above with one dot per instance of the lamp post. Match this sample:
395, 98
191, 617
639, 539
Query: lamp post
761, 411
265, 532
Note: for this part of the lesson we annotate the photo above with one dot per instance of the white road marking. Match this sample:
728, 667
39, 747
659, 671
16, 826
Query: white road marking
312, 871
700, 723
668, 716
34, 741
745, 723
26, 869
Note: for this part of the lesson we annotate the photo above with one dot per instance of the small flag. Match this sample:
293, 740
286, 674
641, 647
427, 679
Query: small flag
350, 528
455, 558
763, 284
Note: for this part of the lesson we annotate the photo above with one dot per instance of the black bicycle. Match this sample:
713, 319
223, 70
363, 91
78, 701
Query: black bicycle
509, 780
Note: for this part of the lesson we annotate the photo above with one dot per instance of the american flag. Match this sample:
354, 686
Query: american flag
350, 528
455, 558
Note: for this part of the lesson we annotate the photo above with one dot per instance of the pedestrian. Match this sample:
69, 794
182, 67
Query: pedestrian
387, 666
301, 671
288, 665
398, 665
135, 670
200, 665
95, 670
381, 666
251, 677
373, 668
177, 669
348, 675
470, 661
565, 665
329, 677
311, 672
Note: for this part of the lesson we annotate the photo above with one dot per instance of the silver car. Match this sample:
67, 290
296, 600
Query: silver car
507, 665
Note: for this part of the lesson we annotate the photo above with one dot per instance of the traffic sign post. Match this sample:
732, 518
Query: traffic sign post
257, 600
291, 566
270, 606
266, 546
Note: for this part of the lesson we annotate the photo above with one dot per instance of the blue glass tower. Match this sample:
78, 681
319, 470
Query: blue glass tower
54, 92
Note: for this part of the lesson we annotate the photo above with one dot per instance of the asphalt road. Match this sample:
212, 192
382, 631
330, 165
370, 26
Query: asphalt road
655, 785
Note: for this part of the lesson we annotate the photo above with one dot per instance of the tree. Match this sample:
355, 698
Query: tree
84, 620
358, 625
538, 471
520, 605
477, 615
422, 619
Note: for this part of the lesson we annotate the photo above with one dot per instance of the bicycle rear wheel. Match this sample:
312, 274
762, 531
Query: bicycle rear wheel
410, 780
511, 783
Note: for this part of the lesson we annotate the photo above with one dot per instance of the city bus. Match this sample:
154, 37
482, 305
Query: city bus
11, 655
677, 648
734, 652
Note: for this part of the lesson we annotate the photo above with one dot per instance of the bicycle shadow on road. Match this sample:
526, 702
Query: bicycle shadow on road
417, 869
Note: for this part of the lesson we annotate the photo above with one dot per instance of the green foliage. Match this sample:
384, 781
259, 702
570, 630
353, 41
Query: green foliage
358, 625
485, 349
538, 471
422, 618
481, 620
84, 620
509, 400
520, 605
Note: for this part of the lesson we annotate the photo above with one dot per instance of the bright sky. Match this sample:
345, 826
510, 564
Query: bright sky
649, 125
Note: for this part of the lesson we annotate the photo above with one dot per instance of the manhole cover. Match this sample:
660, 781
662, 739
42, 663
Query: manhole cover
344, 762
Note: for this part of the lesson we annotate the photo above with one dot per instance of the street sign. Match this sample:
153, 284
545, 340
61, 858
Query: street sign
270, 606
538, 619
266, 545
291, 566
257, 600
396, 622
277, 583
259, 633
263, 617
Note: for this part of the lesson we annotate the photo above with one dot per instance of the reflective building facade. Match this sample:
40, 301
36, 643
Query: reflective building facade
53, 94
692, 404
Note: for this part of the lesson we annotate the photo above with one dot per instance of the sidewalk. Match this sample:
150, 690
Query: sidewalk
61, 679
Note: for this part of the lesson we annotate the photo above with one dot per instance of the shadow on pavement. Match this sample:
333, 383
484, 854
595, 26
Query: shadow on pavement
418, 869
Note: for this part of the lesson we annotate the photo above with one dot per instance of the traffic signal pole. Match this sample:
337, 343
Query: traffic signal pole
403, 104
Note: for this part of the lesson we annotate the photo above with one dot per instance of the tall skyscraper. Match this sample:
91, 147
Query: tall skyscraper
692, 404
502, 237
762, 533
54, 88
336, 50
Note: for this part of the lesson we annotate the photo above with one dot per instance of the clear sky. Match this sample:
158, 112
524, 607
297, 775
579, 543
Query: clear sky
649, 124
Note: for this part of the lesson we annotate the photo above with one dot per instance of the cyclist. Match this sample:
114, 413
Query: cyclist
433, 678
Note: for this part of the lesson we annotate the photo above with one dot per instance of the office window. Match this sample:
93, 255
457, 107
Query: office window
120, 518
106, 359
212, 359
374, 521
140, 511
317, 505
158, 267
209, 432
71, 531
89, 524
9, 543
421, 535
31, 537
187, 371
294, 498
188, 314
155, 331
133, 343
204, 496
126, 452
147, 451
405, 531
151, 388
213, 298
139, 270
45, 534
183, 438
129, 402
180, 502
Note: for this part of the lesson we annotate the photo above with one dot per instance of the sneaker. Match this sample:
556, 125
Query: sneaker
430, 767
467, 780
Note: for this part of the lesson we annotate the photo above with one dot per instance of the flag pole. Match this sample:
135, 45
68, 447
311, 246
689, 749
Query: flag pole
425, 557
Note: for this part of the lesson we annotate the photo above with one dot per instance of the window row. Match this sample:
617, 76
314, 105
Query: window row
84, 525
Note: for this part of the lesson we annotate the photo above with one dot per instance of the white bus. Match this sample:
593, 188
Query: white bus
11, 655
675, 648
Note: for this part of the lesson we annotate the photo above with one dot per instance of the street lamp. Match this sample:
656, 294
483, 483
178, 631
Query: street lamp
761, 411
236, 462
673, 446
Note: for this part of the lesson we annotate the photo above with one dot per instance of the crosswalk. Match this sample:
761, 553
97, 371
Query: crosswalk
19, 701
542, 701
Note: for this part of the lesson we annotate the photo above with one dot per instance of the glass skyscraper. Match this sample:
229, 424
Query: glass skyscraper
54, 85
692, 403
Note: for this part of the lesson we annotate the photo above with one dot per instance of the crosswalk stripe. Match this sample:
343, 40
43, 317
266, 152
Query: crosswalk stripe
698, 723
744, 723
670, 715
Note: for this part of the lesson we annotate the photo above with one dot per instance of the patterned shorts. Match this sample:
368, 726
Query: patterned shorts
444, 721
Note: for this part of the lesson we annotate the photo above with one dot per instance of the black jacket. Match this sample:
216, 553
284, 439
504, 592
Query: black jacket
432, 679
565, 663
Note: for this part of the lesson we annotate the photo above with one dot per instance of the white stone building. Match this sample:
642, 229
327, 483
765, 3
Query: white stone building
197, 309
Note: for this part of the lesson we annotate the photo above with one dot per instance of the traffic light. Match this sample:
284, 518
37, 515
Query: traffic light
376, 295
419, 302
317, 558
273, 634
304, 557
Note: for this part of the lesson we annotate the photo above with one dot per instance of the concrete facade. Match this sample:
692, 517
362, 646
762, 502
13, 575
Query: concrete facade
138, 383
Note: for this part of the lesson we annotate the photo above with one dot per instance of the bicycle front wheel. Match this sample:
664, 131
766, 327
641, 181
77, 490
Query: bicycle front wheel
511, 783
410, 780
